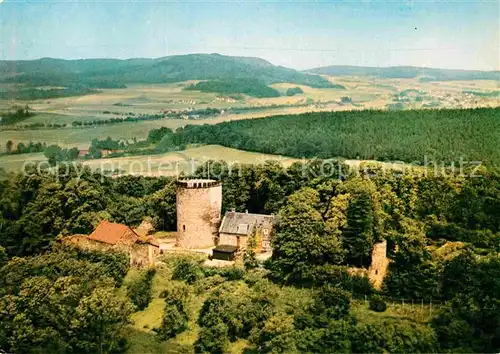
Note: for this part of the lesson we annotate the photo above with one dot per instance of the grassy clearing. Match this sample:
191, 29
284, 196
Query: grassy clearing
166, 234
55, 118
185, 162
395, 311
169, 164
143, 339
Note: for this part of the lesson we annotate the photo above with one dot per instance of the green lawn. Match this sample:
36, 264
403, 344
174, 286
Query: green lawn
396, 311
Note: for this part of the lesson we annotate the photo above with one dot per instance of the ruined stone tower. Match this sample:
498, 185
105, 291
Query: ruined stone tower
199, 203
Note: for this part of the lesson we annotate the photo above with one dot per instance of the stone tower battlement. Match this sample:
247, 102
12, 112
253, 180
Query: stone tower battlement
198, 183
199, 206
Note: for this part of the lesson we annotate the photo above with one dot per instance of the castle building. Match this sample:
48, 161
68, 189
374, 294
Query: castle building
142, 250
199, 224
238, 228
199, 205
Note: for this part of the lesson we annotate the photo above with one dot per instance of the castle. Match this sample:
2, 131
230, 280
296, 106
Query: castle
200, 225
199, 206
141, 248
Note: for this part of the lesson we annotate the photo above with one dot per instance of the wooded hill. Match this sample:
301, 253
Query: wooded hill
114, 73
443, 235
442, 136
250, 87
406, 72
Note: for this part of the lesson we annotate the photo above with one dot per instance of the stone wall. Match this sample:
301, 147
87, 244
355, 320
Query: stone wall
140, 254
198, 214
232, 240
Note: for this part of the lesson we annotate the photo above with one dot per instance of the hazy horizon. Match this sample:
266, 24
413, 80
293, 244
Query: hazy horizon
300, 35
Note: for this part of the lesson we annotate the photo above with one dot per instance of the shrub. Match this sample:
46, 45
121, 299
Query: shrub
249, 260
229, 273
360, 285
174, 322
3, 256
209, 283
112, 264
393, 337
188, 271
330, 303
233, 273
139, 290
213, 339
175, 317
377, 304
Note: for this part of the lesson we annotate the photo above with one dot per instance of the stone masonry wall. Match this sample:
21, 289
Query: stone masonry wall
141, 255
198, 216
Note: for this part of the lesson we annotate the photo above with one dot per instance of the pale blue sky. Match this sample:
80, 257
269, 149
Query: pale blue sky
299, 34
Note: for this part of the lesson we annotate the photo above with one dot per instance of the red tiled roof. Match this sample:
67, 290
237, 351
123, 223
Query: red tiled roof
113, 234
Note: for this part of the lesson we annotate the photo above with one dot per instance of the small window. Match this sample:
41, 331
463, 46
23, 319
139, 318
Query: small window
266, 232
183, 227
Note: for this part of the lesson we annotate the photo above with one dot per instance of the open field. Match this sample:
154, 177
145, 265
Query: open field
172, 163
181, 162
16, 162
153, 98
365, 93
169, 164
82, 137
149, 99
414, 312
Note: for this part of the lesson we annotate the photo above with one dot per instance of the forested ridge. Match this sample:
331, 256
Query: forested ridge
250, 87
115, 73
417, 136
443, 234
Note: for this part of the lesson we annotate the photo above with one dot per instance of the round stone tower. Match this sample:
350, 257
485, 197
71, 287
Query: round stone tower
199, 205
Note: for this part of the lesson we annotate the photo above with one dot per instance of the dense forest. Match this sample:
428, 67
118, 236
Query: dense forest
443, 232
292, 91
28, 94
250, 87
416, 136
64, 301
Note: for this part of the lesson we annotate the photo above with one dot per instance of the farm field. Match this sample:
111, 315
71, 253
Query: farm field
363, 92
149, 99
169, 164
182, 162
14, 163
174, 163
